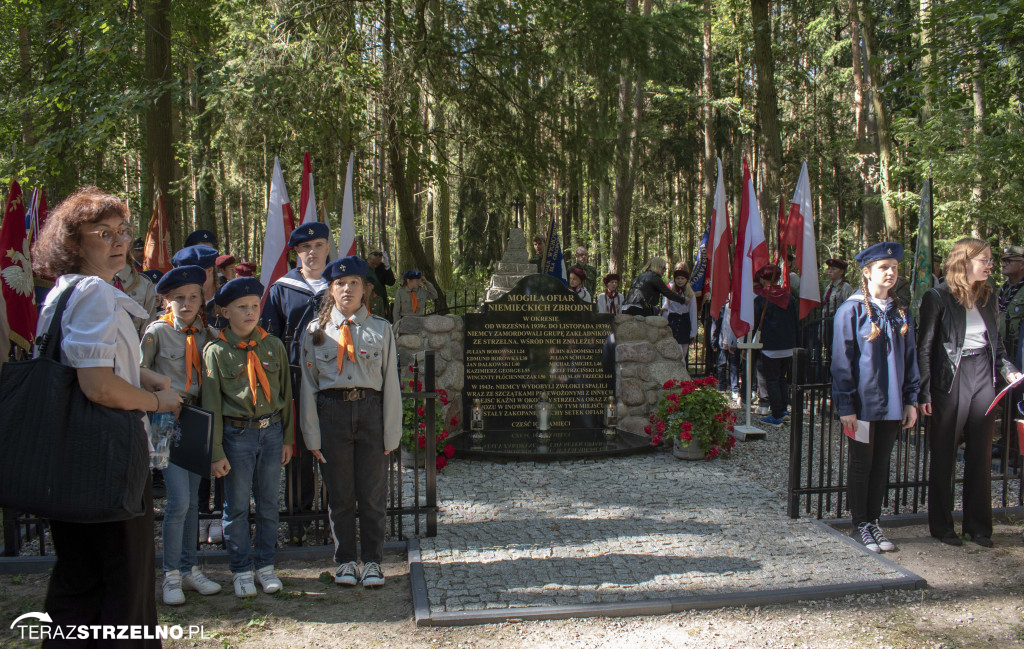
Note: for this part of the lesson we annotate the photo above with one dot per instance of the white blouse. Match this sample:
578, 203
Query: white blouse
690, 307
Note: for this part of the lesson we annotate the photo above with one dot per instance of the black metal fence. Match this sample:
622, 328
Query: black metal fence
459, 302
412, 485
817, 458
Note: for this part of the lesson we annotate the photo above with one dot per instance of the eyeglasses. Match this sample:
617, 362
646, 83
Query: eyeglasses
109, 237
987, 261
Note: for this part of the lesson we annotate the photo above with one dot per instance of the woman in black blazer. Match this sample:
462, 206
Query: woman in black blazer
959, 353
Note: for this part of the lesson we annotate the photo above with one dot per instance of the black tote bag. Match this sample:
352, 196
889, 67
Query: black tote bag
62, 456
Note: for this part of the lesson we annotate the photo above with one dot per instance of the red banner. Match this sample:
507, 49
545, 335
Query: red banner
157, 255
16, 270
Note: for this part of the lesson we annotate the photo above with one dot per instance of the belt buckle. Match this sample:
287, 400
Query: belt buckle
264, 423
352, 395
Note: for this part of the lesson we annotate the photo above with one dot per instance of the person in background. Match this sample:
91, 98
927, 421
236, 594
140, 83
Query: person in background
582, 259
644, 296
836, 292
138, 253
382, 277
794, 277
253, 431
412, 296
961, 355
682, 318
153, 275
291, 304
201, 238
139, 288
225, 269
610, 300
1011, 298
245, 269
875, 382
937, 276
577, 281
172, 346
730, 356
352, 416
777, 319
104, 574
538, 251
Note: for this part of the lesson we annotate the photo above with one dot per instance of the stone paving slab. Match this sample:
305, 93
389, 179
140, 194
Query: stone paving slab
636, 535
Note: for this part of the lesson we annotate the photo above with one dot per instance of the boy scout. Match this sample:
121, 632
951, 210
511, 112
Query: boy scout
412, 296
249, 389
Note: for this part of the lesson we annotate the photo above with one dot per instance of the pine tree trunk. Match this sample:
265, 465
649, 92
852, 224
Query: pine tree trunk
709, 118
158, 159
872, 222
768, 111
976, 213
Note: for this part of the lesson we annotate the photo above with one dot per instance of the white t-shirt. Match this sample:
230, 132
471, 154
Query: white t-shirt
317, 284
975, 337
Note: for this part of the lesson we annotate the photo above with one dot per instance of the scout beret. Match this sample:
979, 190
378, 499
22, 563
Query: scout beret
353, 265
579, 272
236, 288
224, 260
681, 272
308, 232
612, 277
1014, 251
153, 275
202, 256
770, 272
139, 244
245, 269
837, 263
201, 236
412, 274
883, 250
180, 276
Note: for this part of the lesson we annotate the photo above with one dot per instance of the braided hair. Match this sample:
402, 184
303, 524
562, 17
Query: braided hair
875, 331
323, 311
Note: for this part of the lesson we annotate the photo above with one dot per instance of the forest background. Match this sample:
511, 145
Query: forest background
467, 117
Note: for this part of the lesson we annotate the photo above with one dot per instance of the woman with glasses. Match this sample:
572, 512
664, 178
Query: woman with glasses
104, 571
959, 353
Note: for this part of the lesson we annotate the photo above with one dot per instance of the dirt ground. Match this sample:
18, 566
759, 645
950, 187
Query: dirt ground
975, 598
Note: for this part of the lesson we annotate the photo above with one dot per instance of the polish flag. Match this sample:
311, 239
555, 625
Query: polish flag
799, 233
157, 249
347, 240
307, 196
275, 238
718, 253
751, 255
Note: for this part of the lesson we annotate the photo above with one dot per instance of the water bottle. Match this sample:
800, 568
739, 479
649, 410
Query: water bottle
162, 429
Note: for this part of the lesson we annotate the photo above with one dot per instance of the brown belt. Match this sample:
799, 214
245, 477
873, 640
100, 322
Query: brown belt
256, 422
348, 394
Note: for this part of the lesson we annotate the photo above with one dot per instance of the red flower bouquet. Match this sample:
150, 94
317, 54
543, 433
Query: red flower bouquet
694, 412
414, 425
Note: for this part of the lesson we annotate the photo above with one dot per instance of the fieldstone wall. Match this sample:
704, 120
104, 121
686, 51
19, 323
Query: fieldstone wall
646, 356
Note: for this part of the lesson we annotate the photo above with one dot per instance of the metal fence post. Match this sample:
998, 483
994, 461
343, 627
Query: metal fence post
796, 430
431, 446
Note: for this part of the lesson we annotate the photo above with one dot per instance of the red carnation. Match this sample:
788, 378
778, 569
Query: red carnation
421, 440
423, 425
669, 384
730, 442
661, 427
449, 450
441, 462
647, 429
713, 453
685, 436
454, 421
421, 411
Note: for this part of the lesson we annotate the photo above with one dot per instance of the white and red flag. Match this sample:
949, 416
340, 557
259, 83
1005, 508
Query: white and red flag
157, 250
347, 239
799, 233
275, 237
718, 248
751, 255
16, 272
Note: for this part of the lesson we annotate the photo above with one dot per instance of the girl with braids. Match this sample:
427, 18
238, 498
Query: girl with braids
960, 352
351, 411
874, 385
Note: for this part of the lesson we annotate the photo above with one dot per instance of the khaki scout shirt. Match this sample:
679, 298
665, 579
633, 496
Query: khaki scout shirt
163, 351
375, 367
403, 301
139, 288
226, 385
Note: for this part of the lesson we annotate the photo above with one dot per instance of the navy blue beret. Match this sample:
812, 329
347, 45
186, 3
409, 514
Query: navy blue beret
153, 275
236, 288
308, 232
354, 265
201, 236
883, 250
180, 276
412, 274
202, 256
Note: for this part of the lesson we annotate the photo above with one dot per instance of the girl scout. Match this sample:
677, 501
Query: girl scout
351, 409
412, 296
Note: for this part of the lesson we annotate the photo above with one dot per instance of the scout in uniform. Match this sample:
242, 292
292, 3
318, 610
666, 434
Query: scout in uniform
875, 381
381, 276
249, 390
610, 300
412, 296
201, 238
577, 284
1011, 298
291, 304
139, 288
582, 257
352, 416
172, 346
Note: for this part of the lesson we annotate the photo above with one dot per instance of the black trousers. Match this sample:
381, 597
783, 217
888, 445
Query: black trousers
299, 472
773, 371
868, 471
959, 417
352, 443
104, 575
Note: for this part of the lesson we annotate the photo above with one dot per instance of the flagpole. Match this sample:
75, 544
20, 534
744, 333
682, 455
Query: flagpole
748, 431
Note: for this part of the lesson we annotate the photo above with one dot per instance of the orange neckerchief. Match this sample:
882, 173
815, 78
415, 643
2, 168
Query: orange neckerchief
192, 360
345, 345
253, 364
415, 301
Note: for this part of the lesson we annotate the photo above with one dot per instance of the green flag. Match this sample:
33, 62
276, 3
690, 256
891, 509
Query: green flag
922, 278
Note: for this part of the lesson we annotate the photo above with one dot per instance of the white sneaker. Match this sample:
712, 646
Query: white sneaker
243, 584
884, 544
266, 578
372, 575
863, 534
347, 574
199, 582
204, 530
172, 589
216, 534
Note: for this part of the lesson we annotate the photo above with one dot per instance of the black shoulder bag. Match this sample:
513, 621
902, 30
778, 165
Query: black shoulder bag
62, 456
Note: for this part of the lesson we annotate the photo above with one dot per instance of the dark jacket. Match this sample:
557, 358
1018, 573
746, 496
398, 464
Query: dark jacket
780, 328
644, 296
941, 339
289, 308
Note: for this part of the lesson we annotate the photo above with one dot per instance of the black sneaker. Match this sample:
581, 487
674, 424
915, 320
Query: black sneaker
884, 544
863, 534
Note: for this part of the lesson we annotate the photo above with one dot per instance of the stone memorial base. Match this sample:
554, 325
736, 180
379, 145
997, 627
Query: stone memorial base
504, 446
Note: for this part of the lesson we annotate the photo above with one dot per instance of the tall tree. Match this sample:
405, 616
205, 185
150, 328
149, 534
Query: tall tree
767, 110
158, 159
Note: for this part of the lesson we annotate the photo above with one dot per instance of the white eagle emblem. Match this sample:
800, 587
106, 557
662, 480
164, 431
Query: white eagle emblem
18, 276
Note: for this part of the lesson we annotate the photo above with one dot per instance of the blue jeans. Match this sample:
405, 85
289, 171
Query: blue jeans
181, 519
255, 458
